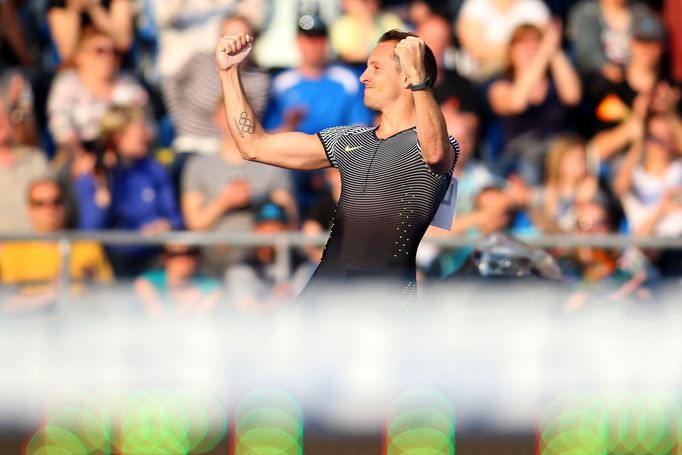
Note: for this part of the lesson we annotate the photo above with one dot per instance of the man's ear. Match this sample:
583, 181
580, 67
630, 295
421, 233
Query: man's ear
403, 79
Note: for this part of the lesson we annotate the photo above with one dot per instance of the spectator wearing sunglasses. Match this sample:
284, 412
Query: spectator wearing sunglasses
178, 288
33, 266
18, 167
80, 96
68, 18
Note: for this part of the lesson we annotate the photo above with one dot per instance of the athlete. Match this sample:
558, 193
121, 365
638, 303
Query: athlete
393, 176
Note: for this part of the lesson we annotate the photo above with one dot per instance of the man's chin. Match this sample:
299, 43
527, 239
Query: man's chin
370, 104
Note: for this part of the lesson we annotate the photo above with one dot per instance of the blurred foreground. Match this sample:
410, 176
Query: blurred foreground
490, 366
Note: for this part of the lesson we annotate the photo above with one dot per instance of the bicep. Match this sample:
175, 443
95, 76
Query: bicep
293, 151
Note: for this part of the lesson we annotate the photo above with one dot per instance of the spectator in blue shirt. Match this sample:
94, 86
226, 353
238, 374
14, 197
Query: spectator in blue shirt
119, 186
314, 96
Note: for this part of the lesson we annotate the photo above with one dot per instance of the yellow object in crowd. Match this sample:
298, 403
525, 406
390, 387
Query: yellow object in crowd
39, 262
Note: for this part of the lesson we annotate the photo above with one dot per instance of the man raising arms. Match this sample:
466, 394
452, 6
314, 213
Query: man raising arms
393, 177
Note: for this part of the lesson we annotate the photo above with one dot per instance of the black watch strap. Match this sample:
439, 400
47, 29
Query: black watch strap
426, 83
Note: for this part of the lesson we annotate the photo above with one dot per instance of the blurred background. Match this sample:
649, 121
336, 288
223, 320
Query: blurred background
128, 221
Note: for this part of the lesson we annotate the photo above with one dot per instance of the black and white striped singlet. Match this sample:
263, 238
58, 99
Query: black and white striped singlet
389, 196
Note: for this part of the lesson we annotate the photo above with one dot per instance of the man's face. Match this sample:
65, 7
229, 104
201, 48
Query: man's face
313, 49
46, 208
383, 76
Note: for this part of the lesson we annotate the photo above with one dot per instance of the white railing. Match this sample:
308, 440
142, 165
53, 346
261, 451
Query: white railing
285, 242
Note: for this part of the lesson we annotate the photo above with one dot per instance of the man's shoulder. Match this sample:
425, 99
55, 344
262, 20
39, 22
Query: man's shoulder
346, 130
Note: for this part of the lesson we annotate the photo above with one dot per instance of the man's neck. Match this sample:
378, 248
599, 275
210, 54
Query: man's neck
395, 119
311, 71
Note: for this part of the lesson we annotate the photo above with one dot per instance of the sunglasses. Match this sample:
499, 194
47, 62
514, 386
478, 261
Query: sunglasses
102, 50
41, 203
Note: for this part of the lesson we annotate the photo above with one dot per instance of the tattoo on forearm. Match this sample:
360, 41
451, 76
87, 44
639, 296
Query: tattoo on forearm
237, 127
244, 124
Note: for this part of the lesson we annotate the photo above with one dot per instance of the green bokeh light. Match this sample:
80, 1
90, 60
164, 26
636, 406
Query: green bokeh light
145, 422
52, 440
420, 422
617, 424
268, 421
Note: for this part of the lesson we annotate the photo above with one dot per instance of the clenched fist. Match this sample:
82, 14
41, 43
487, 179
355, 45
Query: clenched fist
233, 49
410, 53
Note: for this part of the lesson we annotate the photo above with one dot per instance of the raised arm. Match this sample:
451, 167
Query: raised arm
432, 132
288, 150
511, 98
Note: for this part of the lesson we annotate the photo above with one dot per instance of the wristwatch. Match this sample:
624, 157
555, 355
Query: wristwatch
426, 83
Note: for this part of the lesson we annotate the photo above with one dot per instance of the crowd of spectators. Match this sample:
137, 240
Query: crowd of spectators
568, 114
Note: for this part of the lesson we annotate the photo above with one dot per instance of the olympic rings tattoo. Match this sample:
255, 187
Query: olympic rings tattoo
246, 123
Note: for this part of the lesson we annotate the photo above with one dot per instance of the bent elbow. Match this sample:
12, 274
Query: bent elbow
248, 153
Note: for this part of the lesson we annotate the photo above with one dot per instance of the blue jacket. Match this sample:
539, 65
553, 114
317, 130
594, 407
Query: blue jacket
141, 193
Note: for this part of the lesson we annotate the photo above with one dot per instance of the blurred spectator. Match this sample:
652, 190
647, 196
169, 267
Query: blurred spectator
318, 221
357, 31
568, 181
532, 98
13, 43
419, 11
17, 93
672, 11
35, 265
253, 283
19, 166
191, 94
122, 187
178, 288
600, 31
599, 275
472, 175
450, 87
472, 178
649, 182
80, 97
485, 27
188, 27
220, 192
622, 106
68, 20
314, 96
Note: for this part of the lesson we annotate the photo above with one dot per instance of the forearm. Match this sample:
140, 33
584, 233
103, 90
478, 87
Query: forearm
204, 218
528, 79
566, 79
432, 132
116, 23
610, 142
623, 181
245, 128
65, 27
